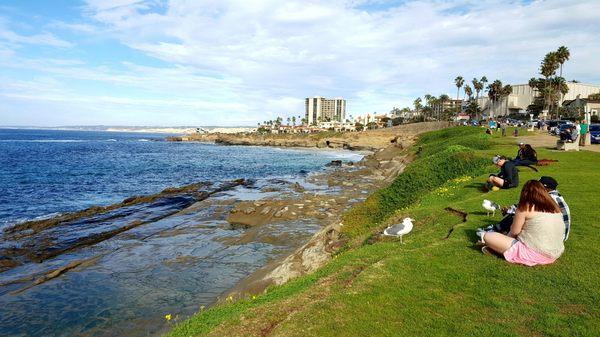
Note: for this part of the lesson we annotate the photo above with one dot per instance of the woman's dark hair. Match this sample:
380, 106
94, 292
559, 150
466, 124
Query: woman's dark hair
529, 152
534, 195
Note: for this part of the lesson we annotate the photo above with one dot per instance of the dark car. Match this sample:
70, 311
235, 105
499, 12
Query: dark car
595, 133
561, 128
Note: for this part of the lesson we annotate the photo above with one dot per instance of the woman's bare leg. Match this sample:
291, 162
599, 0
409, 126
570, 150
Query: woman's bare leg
497, 181
498, 242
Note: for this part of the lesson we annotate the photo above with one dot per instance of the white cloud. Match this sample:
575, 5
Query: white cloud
240, 61
331, 48
46, 39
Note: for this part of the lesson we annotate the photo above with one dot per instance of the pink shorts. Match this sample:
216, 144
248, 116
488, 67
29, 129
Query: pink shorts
521, 254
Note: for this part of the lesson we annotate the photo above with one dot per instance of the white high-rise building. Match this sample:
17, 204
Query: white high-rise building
321, 109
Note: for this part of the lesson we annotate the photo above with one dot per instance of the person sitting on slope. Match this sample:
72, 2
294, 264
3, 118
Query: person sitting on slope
508, 177
525, 156
536, 234
550, 184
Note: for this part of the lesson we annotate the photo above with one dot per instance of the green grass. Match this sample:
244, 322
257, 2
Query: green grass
431, 286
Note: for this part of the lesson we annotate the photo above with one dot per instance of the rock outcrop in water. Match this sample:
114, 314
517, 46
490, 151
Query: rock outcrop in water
37, 241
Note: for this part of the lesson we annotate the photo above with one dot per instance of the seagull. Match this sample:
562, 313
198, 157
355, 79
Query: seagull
400, 229
490, 206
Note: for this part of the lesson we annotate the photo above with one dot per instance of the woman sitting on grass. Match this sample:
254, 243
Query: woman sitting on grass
537, 232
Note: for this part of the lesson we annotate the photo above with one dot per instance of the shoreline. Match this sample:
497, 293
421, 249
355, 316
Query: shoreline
370, 140
319, 202
382, 165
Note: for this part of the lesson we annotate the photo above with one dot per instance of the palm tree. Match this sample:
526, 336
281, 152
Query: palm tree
468, 91
483, 81
559, 88
429, 102
458, 81
418, 105
562, 56
494, 93
548, 68
294, 121
478, 86
504, 93
442, 99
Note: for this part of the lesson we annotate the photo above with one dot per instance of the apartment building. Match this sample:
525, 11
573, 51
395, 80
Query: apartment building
320, 109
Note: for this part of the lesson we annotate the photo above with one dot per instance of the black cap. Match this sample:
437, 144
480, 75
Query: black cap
549, 182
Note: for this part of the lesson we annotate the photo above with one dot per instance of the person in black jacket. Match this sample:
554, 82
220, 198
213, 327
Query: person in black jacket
526, 155
508, 176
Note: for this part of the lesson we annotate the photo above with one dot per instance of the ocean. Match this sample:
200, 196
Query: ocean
180, 255
47, 172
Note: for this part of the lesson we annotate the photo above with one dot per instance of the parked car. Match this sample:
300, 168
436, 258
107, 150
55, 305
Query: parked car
560, 128
595, 133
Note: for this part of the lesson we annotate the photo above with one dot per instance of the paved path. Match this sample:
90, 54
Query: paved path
543, 139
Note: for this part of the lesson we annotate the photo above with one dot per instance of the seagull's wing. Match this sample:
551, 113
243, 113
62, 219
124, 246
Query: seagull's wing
394, 230
495, 206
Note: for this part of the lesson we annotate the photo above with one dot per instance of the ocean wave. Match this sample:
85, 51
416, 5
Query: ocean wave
111, 140
143, 140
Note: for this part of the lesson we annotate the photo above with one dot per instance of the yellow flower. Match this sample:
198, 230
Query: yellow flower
168, 317
253, 297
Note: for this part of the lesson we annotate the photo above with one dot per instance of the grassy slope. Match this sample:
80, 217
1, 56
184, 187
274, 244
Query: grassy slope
435, 287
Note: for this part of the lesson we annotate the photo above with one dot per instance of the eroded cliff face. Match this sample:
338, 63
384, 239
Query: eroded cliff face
357, 181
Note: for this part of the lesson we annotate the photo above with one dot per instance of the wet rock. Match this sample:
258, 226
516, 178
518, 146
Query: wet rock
265, 210
7, 264
259, 203
249, 210
281, 212
270, 189
297, 187
335, 163
346, 183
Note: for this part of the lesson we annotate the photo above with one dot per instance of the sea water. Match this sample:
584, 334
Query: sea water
173, 265
47, 172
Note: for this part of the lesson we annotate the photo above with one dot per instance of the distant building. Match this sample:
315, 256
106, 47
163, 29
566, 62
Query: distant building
523, 95
337, 126
584, 105
321, 109
452, 104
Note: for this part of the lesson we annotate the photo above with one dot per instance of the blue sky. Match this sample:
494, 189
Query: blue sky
206, 62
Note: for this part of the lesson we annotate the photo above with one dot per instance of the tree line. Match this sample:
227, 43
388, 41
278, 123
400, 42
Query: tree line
549, 89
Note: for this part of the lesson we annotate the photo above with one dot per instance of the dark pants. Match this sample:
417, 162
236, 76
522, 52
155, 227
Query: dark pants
524, 162
504, 225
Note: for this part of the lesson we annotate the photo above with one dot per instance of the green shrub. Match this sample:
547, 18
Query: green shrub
437, 141
443, 157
